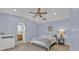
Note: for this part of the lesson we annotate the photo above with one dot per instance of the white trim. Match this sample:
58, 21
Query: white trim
67, 17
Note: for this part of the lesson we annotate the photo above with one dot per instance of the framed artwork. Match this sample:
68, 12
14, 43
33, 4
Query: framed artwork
50, 28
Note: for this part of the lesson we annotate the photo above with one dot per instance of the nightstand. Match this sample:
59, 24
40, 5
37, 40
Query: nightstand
59, 47
61, 40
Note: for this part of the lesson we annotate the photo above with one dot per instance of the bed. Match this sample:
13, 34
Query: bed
44, 41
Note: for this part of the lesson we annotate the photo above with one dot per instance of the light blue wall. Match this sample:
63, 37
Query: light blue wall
71, 26
8, 24
75, 26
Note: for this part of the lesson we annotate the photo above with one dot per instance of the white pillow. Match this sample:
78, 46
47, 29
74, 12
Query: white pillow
48, 36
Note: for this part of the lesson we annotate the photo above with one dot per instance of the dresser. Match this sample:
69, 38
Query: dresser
7, 41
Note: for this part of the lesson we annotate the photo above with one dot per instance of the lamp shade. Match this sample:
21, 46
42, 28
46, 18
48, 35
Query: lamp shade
61, 32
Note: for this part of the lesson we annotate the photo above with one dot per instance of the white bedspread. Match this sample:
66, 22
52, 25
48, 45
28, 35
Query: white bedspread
43, 41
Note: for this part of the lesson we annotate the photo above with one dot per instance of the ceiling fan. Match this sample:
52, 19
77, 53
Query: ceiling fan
38, 13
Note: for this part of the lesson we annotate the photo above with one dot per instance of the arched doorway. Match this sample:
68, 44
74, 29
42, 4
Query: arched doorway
21, 32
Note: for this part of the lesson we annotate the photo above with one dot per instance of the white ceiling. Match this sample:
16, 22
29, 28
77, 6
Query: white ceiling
53, 14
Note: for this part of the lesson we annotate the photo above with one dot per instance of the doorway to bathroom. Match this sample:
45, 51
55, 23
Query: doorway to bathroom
21, 32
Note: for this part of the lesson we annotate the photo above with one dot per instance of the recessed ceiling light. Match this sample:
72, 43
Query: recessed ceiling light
54, 13
14, 10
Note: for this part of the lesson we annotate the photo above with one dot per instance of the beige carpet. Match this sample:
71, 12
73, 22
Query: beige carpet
26, 47
58, 47
30, 47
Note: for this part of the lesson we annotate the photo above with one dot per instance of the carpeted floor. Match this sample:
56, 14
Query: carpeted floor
30, 47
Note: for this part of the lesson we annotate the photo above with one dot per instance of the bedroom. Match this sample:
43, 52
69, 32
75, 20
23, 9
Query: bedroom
44, 27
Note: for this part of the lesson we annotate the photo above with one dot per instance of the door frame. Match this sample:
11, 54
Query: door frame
23, 32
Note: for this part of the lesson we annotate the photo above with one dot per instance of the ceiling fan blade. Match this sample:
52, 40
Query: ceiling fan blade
40, 15
32, 12
44, 13
34, 15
